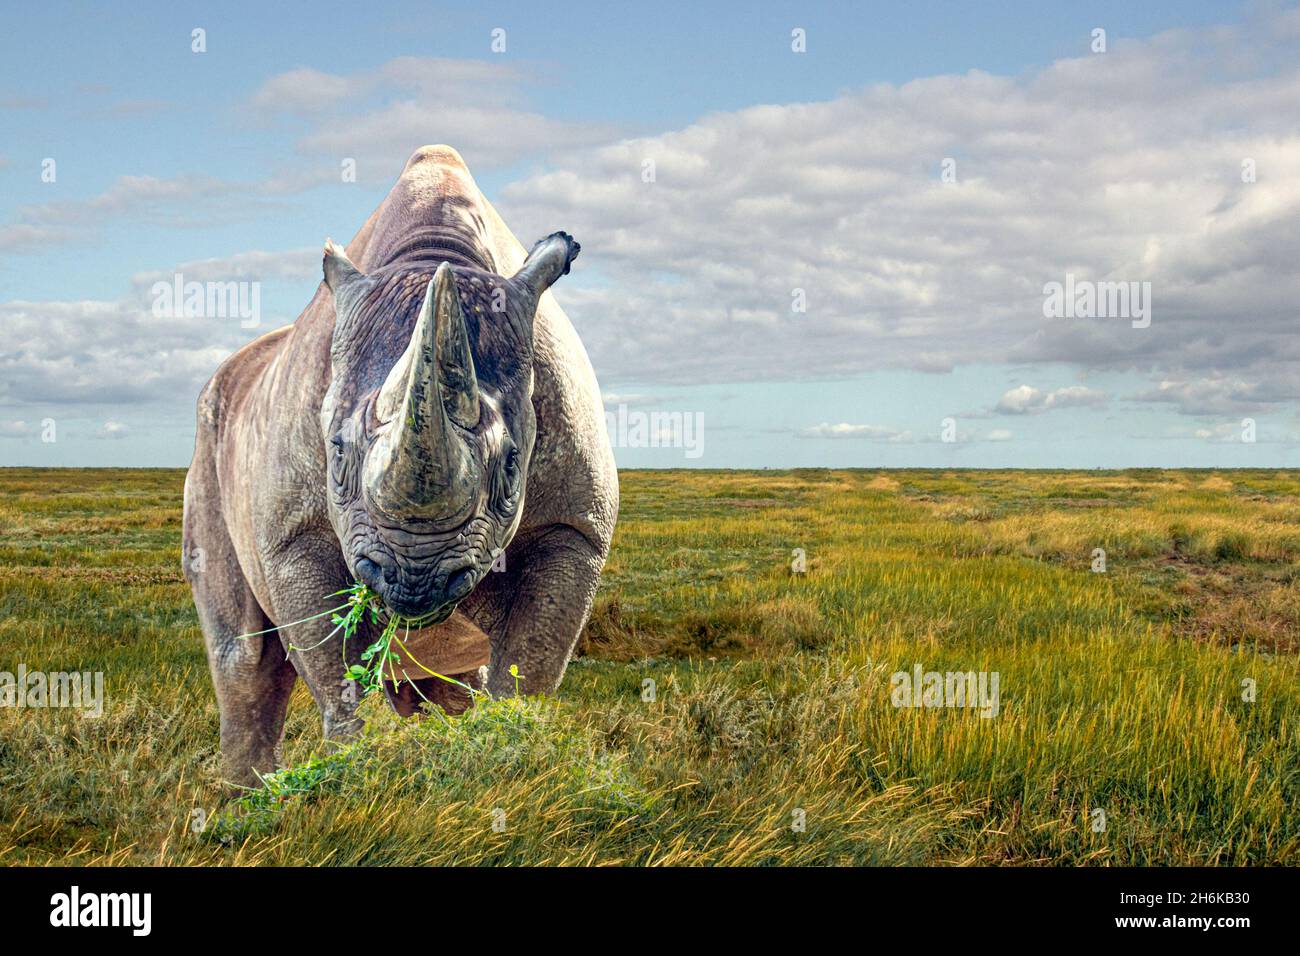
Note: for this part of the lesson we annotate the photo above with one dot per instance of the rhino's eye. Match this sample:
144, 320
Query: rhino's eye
337, 443
512, 463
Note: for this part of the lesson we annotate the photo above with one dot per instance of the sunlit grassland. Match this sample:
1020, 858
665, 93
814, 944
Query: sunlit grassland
1121, 691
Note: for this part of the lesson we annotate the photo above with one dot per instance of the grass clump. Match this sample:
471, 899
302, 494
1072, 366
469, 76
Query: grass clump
474, 762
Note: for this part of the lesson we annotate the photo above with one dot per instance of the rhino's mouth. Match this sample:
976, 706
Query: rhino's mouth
411, 607
414, 622
422, 608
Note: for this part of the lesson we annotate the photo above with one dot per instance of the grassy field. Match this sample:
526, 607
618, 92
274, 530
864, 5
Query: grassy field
1162, 692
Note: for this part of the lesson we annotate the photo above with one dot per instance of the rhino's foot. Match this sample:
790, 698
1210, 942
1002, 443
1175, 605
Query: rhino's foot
246, 759
342, 728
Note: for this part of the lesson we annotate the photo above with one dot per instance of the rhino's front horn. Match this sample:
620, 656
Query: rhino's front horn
420, 465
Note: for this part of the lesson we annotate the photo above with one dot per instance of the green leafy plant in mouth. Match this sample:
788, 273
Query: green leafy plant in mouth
364, 604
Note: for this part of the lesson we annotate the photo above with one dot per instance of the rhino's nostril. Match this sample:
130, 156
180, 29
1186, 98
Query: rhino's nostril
371, 574
460, 584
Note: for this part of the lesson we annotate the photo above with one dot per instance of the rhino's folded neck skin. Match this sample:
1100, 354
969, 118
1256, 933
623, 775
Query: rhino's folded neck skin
431, 247
424, 221
428, 422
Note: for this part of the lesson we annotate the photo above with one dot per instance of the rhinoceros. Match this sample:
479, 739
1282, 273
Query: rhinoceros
430, 426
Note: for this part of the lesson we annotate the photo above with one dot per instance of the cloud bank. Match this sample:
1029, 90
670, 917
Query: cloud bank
821, 239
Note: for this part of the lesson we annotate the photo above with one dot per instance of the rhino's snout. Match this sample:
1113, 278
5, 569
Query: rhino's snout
415, 603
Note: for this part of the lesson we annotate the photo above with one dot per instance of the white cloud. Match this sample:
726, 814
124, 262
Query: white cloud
376, 117
113, 430
118, 352
1225, 432
1212, 395
999, 434
846, 430
1025, 399
379, 117
255, 265
178, 202
614, 399
1019, 400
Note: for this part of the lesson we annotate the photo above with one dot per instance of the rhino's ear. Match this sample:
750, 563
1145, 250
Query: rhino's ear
338, 268
549, 259
349, 285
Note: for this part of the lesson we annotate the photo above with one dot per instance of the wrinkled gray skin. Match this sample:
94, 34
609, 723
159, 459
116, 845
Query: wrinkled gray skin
409, 423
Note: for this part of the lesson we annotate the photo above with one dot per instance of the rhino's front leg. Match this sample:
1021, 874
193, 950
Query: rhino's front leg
252, 680
304, 584
545, 600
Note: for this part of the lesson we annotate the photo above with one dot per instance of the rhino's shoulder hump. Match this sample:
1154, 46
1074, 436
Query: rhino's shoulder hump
238, 375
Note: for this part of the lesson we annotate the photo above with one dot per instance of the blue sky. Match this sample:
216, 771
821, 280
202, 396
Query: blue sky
775, 171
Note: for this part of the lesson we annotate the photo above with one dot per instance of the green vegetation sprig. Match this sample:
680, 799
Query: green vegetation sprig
362, 604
